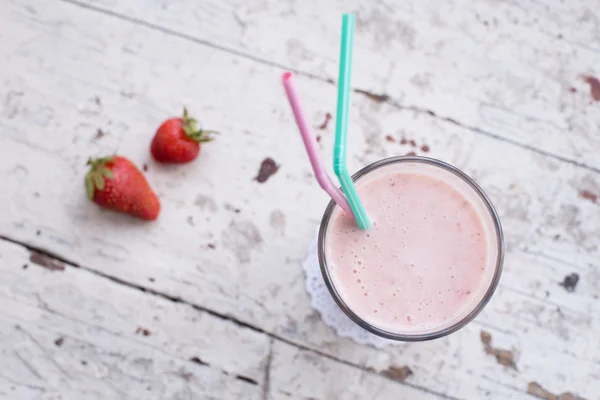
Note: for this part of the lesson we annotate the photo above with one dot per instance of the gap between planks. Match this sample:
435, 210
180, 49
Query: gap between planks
267, 377
228, 318
379, 98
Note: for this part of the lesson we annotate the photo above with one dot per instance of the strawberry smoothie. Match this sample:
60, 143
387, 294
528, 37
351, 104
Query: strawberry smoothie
431, 259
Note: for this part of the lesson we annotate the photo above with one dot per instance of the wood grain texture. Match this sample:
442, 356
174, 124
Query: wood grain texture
299, 374
509, 69
73, 334
81, 83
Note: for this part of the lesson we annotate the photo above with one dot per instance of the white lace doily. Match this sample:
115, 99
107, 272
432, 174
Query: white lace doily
331, 313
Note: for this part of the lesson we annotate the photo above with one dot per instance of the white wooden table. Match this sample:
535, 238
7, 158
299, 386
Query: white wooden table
209, 301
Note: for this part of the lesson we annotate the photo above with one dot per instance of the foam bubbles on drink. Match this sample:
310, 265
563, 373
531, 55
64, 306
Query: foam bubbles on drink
420, 260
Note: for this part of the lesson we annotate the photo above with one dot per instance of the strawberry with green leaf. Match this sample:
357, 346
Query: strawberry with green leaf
178, 140
115, 183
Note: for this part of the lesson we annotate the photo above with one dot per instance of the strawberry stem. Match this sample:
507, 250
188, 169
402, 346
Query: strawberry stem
95, 178
190, 127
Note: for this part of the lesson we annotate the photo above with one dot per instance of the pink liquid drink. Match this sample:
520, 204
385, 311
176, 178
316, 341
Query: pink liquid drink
431, 259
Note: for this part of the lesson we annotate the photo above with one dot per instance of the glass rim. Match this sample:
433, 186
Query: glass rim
417, 337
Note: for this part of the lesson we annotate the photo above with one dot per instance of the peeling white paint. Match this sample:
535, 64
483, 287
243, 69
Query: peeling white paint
68, 71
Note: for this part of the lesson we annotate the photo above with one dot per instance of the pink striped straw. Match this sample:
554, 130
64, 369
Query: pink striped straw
311, 145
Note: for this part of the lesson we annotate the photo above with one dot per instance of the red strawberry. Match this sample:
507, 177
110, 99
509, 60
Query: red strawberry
115, 183
178, 140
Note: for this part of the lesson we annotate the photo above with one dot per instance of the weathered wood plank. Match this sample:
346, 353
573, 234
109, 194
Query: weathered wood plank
300, 374
72, 334
49, 126
510, 69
